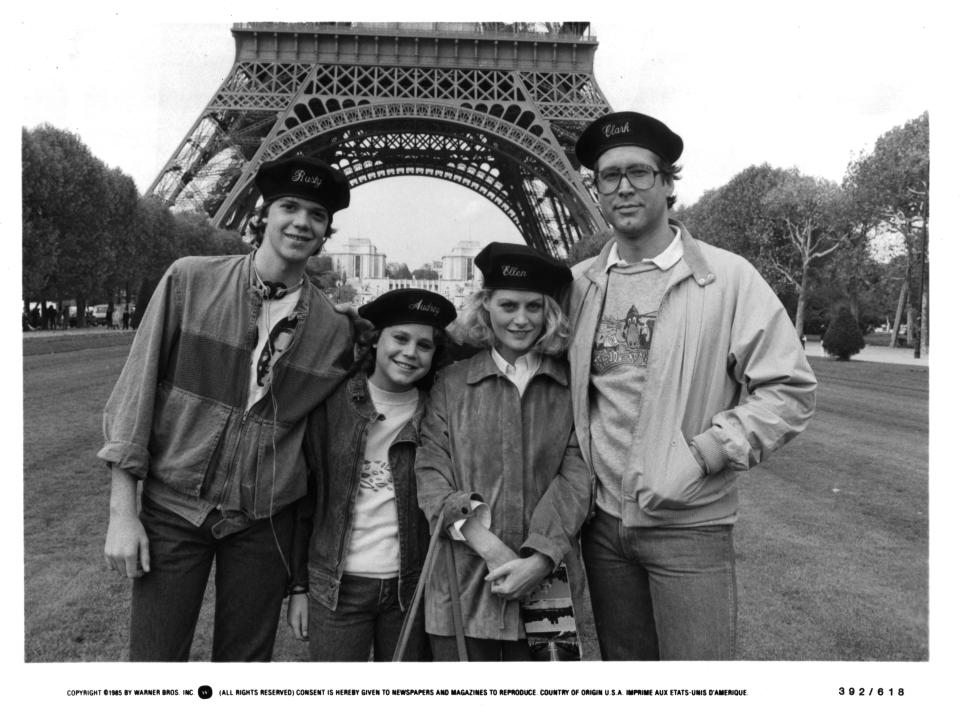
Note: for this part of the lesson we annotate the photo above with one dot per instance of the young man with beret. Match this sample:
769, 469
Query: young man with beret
208, 414
685, 371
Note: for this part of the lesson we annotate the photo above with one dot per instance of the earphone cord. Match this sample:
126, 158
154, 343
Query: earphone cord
273, 435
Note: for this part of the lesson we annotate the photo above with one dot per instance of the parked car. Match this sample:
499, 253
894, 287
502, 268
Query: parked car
98, 315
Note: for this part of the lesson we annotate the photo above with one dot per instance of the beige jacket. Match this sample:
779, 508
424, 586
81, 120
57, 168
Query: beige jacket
726, 371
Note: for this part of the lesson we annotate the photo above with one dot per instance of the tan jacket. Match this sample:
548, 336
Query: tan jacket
726, 371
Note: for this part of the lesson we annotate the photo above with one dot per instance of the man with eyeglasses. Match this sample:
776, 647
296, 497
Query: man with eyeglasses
685, 371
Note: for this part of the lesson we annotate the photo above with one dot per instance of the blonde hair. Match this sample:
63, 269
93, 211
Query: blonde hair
473, 326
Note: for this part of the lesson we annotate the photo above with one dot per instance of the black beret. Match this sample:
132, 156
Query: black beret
306, 178
627, 128
409, 306
508, 266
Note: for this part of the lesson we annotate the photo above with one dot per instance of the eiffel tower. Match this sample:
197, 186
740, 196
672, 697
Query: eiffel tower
494, 107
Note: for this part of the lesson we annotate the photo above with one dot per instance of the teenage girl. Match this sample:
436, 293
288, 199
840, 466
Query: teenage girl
361, 548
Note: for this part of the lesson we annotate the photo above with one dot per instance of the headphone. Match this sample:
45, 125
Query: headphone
273, 290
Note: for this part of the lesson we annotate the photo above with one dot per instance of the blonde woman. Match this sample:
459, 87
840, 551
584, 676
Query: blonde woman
499, 461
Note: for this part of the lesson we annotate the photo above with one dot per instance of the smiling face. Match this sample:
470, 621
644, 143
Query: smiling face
516, 318
294, 231
634, 214
404, 355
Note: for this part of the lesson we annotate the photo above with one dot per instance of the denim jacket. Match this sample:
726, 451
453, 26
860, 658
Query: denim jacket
521, 456
178, 414
334, 446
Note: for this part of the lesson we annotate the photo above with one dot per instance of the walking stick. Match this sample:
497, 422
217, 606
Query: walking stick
455, 602
411, 614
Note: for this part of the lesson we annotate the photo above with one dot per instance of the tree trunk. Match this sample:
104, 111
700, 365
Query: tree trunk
899, 315
924, 325
802, 303
923, 346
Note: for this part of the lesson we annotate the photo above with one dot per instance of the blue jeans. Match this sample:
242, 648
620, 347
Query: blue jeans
251, 579
661, 593
368, 616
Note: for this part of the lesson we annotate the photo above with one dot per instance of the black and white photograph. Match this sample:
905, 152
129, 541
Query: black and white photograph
597, 337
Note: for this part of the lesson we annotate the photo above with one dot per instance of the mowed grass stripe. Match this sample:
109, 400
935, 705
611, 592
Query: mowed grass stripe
832, 540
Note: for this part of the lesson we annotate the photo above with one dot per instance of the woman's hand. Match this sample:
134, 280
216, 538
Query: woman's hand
515, 579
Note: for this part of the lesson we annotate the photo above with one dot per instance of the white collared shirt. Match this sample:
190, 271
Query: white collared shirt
665, 260
519, 373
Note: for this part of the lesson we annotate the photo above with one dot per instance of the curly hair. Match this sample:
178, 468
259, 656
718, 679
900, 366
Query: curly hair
257, 224
473, 326
365, 355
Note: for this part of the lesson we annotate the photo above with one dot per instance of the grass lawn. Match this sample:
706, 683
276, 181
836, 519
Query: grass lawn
832, 541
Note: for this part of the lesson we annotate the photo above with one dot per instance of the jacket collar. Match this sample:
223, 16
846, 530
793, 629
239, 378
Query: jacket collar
692, 256
302, 307
359, 397
483, 366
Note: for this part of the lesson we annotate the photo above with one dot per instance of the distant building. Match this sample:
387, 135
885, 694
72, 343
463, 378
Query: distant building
359, 259
458, 265
365, 271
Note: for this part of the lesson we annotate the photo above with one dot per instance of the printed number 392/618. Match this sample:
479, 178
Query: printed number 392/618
869, 691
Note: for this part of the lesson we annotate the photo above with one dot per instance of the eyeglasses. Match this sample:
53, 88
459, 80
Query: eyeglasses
640, 177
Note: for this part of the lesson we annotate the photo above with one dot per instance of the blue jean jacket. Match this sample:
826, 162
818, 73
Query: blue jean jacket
334, 445
178, 413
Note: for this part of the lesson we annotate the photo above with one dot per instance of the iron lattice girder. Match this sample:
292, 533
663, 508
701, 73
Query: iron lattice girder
531, 148
365, 157
523, 113
269, 86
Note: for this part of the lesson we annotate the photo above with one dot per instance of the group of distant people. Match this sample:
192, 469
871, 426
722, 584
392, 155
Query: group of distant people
117, 319
406, 476
52, 318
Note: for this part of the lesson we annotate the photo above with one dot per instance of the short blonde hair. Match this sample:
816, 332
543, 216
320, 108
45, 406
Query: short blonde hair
473, 326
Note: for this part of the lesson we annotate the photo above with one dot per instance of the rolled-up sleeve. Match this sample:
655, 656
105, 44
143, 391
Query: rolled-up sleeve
128, 415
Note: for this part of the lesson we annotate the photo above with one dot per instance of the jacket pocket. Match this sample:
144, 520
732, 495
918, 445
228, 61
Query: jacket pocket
324, 589
678, 481
280, 472
187, 430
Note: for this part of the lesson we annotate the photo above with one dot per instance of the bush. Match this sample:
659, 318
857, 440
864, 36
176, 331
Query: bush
843, 337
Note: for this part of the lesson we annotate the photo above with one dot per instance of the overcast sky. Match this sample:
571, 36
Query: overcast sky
743, 83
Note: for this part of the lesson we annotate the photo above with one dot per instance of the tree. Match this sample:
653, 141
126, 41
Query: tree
893, 182
40, 235
783, 222
120, 245
805, 225
321, 272
67, 200
734, 216
426, 273
843, 338
398, 270
588, 246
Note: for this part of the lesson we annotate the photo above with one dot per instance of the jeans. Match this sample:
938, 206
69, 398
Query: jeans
251, 579
367, 616
661, 593
479, 649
